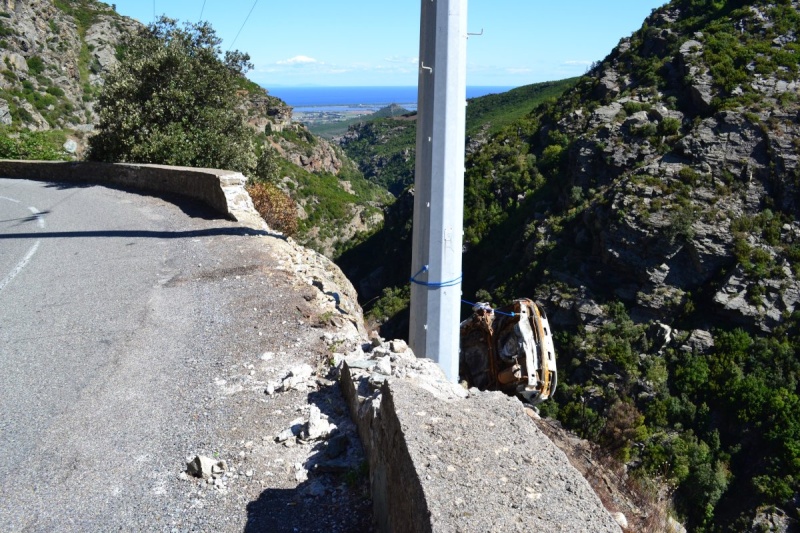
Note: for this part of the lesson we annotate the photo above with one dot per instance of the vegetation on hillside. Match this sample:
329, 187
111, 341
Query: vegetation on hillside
275, 207
384, 150
491, 113
42, 146
385, 147
620, 165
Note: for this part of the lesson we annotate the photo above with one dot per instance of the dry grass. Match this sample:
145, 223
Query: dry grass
645, 503
275, 207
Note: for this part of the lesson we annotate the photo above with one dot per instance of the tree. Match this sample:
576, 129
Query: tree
173, 100
267, 167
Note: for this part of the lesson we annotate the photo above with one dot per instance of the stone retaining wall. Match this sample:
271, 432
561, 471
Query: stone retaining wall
222, 190
444, 459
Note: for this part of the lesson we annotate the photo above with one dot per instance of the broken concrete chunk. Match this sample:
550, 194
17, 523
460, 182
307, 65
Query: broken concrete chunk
398, 346
205, 467
303, 371
318, 428
361, 364
299, 378
284, 435
384, 366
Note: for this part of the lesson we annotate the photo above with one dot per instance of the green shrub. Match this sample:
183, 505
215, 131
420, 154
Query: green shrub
45, 146
35, 65
173, 101
55, 91
669, 126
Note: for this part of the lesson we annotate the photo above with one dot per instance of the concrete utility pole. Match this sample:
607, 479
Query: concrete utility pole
439, 184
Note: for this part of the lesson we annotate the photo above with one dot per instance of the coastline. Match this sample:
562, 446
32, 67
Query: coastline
315, 106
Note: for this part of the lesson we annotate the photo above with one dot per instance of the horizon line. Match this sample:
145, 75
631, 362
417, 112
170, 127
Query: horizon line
306, 86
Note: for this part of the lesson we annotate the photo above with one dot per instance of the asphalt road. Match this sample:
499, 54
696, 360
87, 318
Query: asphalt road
121, 317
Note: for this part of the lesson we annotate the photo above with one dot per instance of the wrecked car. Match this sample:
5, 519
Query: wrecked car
509, 349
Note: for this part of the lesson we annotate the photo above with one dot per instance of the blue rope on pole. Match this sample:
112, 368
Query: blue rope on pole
434, 284
451, 283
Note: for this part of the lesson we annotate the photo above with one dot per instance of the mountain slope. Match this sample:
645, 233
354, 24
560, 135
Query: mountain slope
654, 210
384, 147
55, 57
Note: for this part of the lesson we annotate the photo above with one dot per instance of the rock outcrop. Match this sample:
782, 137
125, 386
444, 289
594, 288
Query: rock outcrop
53, 62
676, 180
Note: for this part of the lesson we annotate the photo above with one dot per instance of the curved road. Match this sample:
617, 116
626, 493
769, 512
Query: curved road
117, 314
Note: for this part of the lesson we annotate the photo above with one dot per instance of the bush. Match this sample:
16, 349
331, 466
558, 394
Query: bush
277, 209
267, 167
35, 65
42, 146
173, 100
669, 126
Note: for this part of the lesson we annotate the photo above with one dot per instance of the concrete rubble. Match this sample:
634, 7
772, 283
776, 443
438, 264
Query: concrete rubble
205, 467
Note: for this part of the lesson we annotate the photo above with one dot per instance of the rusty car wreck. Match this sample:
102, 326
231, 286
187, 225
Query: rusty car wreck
509, 349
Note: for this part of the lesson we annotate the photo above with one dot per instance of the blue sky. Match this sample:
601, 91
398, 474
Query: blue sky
376, 42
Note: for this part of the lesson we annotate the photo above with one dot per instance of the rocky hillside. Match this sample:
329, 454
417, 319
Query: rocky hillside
688, 180
334, 200
55, 56
653, 208
53, 59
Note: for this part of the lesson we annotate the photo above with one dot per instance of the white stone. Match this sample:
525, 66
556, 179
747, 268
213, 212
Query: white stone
318, 427
384, 366
205, 467
284, 435
70, 146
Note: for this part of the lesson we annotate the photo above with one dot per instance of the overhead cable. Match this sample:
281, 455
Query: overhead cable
243, 23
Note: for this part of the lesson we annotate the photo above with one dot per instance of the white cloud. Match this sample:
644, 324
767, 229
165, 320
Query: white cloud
520, 70
298, 60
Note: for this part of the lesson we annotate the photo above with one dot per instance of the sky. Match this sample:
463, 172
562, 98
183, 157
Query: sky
376, 42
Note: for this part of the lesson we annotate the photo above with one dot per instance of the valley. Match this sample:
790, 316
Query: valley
650, 206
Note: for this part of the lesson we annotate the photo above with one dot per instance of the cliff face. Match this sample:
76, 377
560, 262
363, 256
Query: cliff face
54, 59
688, 188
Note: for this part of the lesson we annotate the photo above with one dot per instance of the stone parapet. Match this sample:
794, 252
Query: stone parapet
222, 190
445, 459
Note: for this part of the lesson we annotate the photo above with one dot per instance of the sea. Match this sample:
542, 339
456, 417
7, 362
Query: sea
352, 99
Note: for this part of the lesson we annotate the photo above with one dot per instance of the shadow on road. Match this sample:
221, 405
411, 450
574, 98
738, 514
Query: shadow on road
143, 234
190, 207
335, 498
25, 220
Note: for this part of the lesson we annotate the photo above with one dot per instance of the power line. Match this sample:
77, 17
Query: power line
201, 11
243, 23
